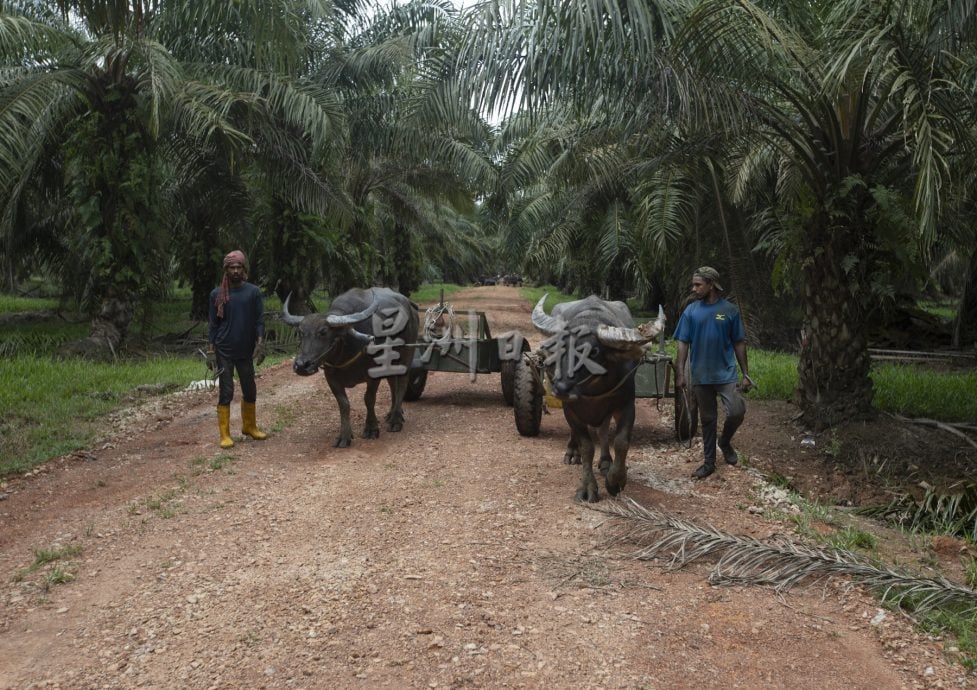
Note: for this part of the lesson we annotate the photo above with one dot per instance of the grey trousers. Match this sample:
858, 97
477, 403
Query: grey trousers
734, 407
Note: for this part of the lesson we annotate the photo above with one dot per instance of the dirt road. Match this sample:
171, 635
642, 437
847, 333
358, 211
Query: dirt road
451, 554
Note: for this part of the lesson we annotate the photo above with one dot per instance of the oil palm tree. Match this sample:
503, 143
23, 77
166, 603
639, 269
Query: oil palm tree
94, 95
834, 126
416, 154
857, 115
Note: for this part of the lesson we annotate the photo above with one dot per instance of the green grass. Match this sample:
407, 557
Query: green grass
52, 407
46, 337
43, 556
901, 389
851, 537
162, 504
915, 392
555, 296
285, 416
40, 337
58, 576
428, 294
9, 303
221, 460
774, 373
958, 624
944, 309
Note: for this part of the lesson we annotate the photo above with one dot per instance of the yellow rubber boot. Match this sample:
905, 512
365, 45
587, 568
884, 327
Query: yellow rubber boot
249, 424
224, 422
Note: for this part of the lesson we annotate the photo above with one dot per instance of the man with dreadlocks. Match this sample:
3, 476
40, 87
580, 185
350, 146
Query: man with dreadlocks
236, 341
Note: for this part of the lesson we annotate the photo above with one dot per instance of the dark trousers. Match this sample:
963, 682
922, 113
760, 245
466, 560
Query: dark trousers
734, 406
245, 375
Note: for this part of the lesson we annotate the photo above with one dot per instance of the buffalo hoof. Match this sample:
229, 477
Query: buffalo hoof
571, 458
343, 441
371, 432
615, 482
588, 494
604, 465
395, 421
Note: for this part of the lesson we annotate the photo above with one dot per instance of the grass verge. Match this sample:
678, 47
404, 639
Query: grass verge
52, 407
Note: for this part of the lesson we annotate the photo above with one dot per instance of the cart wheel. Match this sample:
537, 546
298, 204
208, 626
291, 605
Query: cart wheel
416, 380
527, 399
508, 369
686, 416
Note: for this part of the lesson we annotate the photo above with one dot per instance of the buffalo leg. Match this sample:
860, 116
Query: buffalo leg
605, 452
572, 456
398, 389
345, 427
372, 427
587, 492
617, 476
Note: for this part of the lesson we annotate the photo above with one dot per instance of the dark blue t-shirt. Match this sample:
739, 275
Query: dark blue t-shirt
243, 322
711, 330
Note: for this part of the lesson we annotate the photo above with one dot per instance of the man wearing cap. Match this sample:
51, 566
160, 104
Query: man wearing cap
235, 341
711, 330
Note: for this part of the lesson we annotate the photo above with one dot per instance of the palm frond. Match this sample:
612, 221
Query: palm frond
780, 564
528, 54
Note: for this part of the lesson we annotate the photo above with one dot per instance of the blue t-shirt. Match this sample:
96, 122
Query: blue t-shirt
711, 330
235, 334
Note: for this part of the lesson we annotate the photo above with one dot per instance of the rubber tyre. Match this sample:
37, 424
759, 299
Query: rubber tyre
527, 403
508, 369
416, 380
686, 421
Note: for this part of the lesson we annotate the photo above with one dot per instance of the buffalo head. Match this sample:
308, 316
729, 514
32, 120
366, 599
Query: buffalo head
321, 336
589, 339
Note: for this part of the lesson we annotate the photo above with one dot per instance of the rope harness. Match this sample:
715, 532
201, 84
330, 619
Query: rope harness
339, 341
434, 320
537, 366
344, 364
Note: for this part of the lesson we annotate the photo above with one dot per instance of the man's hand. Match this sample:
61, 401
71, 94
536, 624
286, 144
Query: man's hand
679, 380
211, 360
746, 384
259, 352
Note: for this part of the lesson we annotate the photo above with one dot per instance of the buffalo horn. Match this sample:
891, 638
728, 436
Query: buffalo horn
544, 322
349, 319
288, 318
621, 338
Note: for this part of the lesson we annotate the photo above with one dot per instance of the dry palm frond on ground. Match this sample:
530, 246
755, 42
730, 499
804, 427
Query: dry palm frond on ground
780, 564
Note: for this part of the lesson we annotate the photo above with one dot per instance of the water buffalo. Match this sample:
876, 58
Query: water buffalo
590, 358
384, 322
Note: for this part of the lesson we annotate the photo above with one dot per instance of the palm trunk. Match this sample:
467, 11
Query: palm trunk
111, 325
964, 328
201, 266
109, 329
201, 283
833, 370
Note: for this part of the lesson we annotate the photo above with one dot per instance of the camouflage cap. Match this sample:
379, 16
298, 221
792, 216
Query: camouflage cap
710, 275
